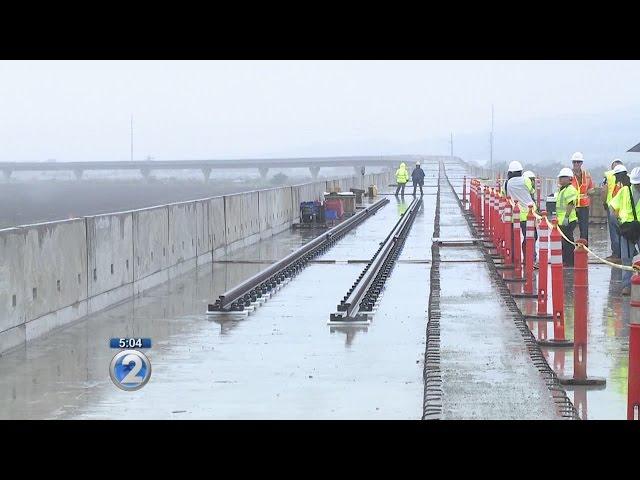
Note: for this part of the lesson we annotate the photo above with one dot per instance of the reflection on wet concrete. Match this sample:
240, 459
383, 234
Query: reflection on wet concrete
283, 361
608, 337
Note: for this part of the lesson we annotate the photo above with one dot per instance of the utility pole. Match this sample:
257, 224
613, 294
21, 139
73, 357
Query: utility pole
132, 137
491, 142
451, 145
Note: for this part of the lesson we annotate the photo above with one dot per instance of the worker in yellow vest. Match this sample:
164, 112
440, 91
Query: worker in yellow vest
566, 200
612, 186
402, 177
626, 207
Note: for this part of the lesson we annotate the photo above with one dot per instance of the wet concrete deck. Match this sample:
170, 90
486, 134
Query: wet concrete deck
487, 372
284, 361
607, 338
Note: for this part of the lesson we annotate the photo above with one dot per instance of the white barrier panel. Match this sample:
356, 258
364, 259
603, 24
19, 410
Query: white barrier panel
182, 233
110, 253
13, 290
217, 228
241, 216
150, 241
55, 269
275, 210
203, 244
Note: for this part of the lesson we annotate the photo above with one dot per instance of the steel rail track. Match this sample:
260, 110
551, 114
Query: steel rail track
357, 305
251, 290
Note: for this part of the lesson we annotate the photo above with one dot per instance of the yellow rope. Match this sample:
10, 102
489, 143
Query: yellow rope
628, 268
611, 264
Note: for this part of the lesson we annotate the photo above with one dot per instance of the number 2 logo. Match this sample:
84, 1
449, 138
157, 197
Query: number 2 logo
130, 370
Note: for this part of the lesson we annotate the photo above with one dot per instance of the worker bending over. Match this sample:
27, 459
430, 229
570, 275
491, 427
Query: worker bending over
583, 183
402, 177
518, 188
612, 186
626, 207
566, 200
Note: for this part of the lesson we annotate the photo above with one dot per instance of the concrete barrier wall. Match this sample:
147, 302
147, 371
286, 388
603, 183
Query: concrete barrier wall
13, 289
242, 218
110, 259
150, 245
183, 234
50, 288
204, 245
54, 273
217, 224
276, 212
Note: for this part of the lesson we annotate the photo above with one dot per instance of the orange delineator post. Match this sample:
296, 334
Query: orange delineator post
557, 290
517, 249
486, 218
530, 250
508, 232
542, 273
530, 246
501, 227
494, 219
633, 395
581, 309
464, 192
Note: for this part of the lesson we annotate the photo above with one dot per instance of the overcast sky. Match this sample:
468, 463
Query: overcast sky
80, 110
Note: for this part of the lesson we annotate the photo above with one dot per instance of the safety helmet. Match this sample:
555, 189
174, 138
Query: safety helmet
565, 172
619, 169
577, 157
418, 163
515, 166
529, 174
402, 165
616, 160
634, 176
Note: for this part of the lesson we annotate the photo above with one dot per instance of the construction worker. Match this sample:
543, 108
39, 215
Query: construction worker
626, 207
417, 177
530, 182
566, 200
402, 177
583, 183
612, 186
517, 187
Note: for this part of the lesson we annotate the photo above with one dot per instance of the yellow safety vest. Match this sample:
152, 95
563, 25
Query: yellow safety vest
611, 184
402, 175
529, 184
566, 195
621, 203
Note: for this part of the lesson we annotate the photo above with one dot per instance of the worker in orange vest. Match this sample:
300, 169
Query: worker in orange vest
583, 183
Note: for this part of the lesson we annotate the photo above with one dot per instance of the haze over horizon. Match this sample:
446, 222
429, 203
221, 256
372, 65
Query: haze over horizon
544, 110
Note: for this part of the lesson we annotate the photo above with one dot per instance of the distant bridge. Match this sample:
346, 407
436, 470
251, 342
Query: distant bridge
261, 164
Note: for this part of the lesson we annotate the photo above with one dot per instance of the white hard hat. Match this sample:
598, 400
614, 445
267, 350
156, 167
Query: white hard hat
619, 169
565, 172
577, 157
418, 162
529, 174
616, 160
515, 166
635, 176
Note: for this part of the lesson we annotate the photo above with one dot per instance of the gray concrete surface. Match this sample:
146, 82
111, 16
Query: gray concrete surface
283, 361
486, 369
